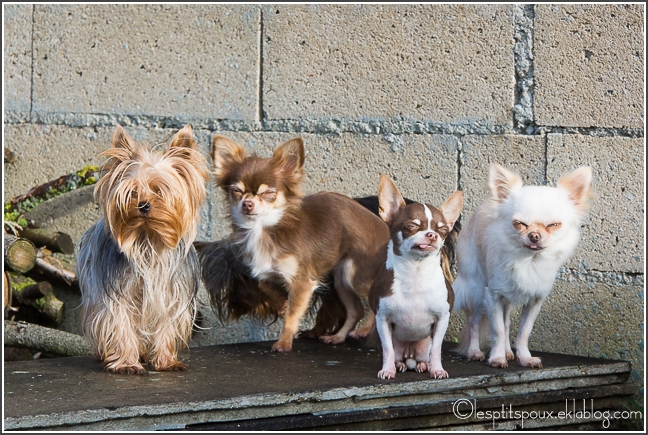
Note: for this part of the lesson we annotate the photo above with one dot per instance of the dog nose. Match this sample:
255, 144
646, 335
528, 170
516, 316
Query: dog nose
144, 206
248, 206
432, 236
534, 237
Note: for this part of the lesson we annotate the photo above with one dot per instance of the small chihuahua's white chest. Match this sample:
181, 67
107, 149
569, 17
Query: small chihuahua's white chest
416, 303
263, 260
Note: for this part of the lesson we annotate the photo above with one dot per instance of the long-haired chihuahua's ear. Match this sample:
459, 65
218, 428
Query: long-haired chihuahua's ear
290, 155
390, 200
502, 182
451, 209
121, 139
578, 184
225, 152
184, 138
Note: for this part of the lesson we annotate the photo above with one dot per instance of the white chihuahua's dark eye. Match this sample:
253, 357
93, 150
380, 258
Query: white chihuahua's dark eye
554, 226
520, 225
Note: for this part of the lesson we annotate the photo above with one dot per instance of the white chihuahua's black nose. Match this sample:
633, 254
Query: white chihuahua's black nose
534, 237
144, 206
248, 206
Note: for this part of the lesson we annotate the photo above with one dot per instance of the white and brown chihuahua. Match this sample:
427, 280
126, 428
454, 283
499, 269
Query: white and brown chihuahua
411, 296
508, 254
291, 244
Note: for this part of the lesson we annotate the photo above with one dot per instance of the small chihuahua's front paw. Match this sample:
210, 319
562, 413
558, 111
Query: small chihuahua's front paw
438, 373
499, 362
421, 367
282, 346
400, 366
331, 339
476, 355
509, 355
533, 361
387, 374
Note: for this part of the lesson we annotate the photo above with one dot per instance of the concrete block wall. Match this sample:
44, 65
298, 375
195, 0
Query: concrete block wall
429, 94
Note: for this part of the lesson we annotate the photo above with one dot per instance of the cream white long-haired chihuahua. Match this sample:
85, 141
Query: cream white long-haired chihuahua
508, 254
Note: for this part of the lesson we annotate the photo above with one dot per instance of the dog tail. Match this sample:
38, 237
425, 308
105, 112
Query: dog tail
464, 336
448, 252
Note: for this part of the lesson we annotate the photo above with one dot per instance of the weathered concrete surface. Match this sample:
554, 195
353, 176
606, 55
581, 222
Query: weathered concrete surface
197, 61
521, 154
17, 60
247, 381
440, 62
614, 238
589, 65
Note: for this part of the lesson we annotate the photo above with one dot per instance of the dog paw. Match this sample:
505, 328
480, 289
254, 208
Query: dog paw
509, 355
498, 362
387, 374
421, 367
128, 370
281, 347
400, 366
533, 361
331, 339
359, 334
173, 366
438, 373
476, 355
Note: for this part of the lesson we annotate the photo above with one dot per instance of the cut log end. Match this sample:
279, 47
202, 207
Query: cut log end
20, 253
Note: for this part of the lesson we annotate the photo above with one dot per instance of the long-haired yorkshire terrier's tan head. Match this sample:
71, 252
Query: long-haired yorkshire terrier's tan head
151, 199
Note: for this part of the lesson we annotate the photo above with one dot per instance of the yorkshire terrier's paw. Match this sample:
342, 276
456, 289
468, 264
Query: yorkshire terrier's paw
438, 373
533, 361
282, 346
499, 362
128, 370
331, 339
173, 366
509, 355
360, 334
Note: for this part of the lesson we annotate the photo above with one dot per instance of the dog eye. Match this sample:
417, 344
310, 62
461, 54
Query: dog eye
520, 225
236, 192
133, 194
554, 225
411, 227
269, 195
443, 230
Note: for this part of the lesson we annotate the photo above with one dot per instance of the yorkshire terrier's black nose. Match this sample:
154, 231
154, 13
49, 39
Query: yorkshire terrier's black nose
144, 207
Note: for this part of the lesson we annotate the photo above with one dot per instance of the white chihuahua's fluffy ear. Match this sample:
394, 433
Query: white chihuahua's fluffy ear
390, 200
578, 184
451, 209
225, 152
291, 156
502, 182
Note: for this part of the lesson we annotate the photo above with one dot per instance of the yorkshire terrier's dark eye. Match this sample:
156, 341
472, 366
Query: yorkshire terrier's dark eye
133, 194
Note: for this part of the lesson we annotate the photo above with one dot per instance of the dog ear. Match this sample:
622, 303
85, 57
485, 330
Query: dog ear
184, 138
451, 209
224, 152
290, 155
121, 139
502, 182
578, 184
390, 200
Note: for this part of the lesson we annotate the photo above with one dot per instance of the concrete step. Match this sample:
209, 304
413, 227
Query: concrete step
246, 387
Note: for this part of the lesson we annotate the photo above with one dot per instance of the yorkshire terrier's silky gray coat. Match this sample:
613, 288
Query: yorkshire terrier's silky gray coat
137, 268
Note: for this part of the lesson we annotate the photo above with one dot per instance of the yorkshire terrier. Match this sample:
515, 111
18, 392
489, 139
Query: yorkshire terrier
138, 270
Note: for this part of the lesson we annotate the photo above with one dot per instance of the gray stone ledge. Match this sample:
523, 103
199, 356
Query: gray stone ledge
600, 277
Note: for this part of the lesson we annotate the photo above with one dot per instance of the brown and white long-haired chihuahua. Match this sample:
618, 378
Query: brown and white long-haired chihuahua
290, 245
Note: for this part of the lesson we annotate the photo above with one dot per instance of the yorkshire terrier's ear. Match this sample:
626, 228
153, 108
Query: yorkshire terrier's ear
291, 155
390, 200
121, 139
502, 182
184, 138
225, 152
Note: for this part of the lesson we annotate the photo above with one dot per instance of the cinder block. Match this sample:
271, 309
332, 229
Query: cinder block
424, 167
157, 60
524, 155
589, 65
17, 57
446, 63
613, 238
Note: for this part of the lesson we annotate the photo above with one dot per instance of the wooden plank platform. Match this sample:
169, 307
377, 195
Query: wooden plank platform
246, 387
